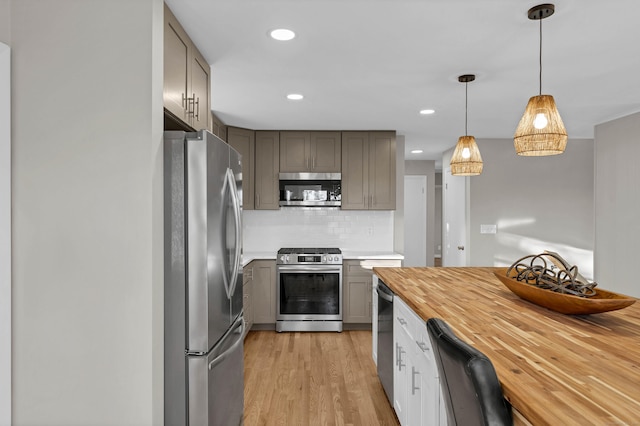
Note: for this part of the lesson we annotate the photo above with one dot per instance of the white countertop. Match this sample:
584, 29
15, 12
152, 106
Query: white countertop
357, 255
248, 257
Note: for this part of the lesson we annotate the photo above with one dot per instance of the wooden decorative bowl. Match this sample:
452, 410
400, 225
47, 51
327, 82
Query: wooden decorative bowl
603, 301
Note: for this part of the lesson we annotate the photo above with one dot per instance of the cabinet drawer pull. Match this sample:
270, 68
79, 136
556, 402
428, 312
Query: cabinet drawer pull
414, 388
400, 363
401, 321
423, 346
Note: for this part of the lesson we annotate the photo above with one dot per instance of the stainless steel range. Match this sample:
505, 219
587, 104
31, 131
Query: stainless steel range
309, 289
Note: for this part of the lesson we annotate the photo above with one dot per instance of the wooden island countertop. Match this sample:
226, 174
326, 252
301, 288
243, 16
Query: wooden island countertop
554, 369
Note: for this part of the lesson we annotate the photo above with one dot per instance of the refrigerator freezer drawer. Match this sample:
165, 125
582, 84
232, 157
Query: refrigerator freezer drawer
216, 382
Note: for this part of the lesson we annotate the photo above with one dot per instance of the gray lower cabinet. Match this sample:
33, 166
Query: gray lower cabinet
356, 288
247, 299
356, 291
263, 294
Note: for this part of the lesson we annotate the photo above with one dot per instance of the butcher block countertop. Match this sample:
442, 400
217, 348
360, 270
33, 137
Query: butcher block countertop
555, 369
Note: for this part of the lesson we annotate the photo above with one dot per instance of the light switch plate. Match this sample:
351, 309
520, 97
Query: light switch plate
488, 229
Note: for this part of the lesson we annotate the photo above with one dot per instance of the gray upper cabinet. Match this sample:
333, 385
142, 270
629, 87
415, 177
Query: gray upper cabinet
267, 158
186, 91
368, 170
243, 141
217, 127
315, 152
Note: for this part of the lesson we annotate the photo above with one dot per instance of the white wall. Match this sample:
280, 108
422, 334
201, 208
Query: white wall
617, 204
87, 209
270, 230
426, 168
537, 203
5, 234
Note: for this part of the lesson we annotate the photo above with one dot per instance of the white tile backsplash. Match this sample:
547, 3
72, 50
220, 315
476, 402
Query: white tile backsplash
270, 230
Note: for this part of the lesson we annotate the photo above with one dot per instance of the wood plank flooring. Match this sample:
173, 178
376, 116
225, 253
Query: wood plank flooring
313, 379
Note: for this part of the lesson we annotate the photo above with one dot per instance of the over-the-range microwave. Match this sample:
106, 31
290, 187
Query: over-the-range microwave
310, 189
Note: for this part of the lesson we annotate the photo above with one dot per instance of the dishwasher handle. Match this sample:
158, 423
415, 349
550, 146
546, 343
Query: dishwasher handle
383, 294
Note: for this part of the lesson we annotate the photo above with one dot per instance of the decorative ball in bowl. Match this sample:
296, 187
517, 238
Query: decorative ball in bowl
527, 286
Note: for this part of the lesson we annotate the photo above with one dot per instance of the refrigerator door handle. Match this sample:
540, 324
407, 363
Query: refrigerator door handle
230, 277
238, 230
217, 360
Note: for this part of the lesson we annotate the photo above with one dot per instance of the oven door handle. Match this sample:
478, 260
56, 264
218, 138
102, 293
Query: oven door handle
301, 269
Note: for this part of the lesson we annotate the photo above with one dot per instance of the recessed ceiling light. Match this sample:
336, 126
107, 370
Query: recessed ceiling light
294, 96
416, 151
282, 34
427, 111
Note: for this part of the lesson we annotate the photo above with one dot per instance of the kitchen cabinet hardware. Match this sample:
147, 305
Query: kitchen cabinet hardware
414, 373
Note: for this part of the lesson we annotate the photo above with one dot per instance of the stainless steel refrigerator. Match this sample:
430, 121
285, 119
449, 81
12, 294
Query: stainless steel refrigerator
204, 371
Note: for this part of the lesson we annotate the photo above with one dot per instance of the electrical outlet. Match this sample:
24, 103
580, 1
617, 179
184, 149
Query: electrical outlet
488, 229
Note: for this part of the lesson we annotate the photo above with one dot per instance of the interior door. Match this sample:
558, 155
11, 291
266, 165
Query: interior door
455, 251
415, 221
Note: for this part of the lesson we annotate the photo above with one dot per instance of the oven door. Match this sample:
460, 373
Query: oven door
309, 292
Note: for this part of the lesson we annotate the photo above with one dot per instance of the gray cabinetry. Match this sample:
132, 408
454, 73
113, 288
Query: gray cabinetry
243, 141
356, 293
368, 171
267, 160
356, 288
317, 152
186, 91
247, 297
264, 291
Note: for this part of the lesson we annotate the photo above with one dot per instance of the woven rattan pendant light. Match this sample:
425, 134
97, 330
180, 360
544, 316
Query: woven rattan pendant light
466, 159
540, 131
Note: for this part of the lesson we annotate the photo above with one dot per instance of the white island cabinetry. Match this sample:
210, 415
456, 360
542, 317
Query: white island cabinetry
416, 385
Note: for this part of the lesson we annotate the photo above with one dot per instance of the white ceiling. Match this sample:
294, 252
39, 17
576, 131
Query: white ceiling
373, 64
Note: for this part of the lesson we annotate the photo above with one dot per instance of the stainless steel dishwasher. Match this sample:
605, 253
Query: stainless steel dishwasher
385, 338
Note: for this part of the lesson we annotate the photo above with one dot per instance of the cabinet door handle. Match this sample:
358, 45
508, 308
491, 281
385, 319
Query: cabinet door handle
414, 388
401, 321
400, 363
196, 106
423, 346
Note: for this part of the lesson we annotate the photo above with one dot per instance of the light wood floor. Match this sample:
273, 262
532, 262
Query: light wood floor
312, 379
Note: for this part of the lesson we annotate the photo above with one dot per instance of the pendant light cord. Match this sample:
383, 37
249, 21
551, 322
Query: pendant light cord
540, 76
466, 100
